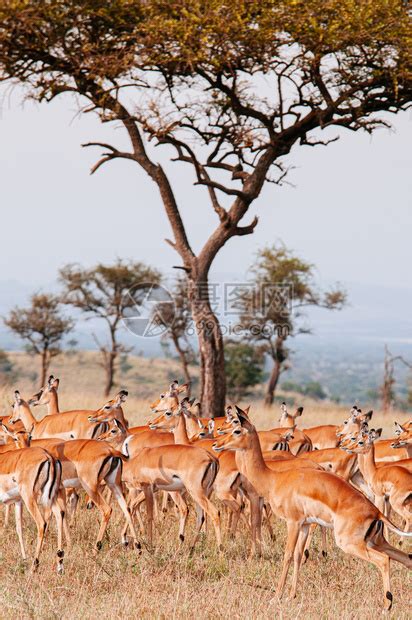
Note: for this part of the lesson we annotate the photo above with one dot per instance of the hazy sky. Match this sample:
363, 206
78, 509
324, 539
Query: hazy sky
350, 212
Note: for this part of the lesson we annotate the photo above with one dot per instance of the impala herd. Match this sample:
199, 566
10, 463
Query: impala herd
343, 478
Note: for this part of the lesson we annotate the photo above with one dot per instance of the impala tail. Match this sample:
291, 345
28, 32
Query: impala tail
48, 480
375, 540
209, 476
391, 526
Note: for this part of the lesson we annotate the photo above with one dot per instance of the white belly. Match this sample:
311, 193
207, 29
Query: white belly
71, 483
7, 497
318, 521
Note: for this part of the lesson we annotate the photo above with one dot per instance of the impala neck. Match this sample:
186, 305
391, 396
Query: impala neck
192, 427
180, 431
53, 404
287, 421
367, 463
251, 462
27, 417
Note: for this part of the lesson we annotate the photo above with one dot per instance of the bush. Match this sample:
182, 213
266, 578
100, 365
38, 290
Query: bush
244, 368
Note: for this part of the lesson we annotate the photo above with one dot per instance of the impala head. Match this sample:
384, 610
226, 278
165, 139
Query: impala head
404, 435
109, 410
240, 436
354, 422
115, 434
21, 439
43, 396
20, 406
288, 418
167, 420
364, 441
232, 420
170, 398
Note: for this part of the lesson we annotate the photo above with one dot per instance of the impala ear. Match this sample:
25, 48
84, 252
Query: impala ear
399, 428
243, 419
378, 432
122, 395
368, 415
181, 388
299, 411
246, 410
50, 380
191, 401
55, 384
17, 397
5, 429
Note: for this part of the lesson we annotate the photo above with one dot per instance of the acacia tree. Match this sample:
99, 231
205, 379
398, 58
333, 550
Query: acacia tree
43, 326
387, 388
228, 88
106, 292
271, 311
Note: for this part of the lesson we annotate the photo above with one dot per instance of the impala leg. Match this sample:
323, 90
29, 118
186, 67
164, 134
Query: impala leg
211, 510
18, 511
255, 516
59, 516
41, 525
148, 494
105, 511
267, 511
183, 509
6, 515
297, 557
312, 529
293, 533
114, 482
134, 502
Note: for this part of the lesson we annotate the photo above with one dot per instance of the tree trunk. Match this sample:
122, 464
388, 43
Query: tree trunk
185, 366
272, 383
212, 361
109, 368
44, 367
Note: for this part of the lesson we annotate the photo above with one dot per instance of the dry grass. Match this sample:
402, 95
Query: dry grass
167, 582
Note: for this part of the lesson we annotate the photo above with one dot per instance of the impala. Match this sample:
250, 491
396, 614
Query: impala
404, 438
172, 468
303, 497
320, 436
47, 395
391, 483
31, 476
78, 424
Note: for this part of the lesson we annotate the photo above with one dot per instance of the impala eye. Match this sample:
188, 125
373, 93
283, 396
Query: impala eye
107, 406
361, 443
237, 432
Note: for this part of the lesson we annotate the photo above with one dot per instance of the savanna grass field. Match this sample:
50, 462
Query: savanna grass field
167, 582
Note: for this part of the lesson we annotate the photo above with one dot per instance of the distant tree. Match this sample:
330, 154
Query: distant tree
387, 388
272, 310
291, 386
313, 389
43, 327
105, 292
178, 317
244, 368
230, 90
